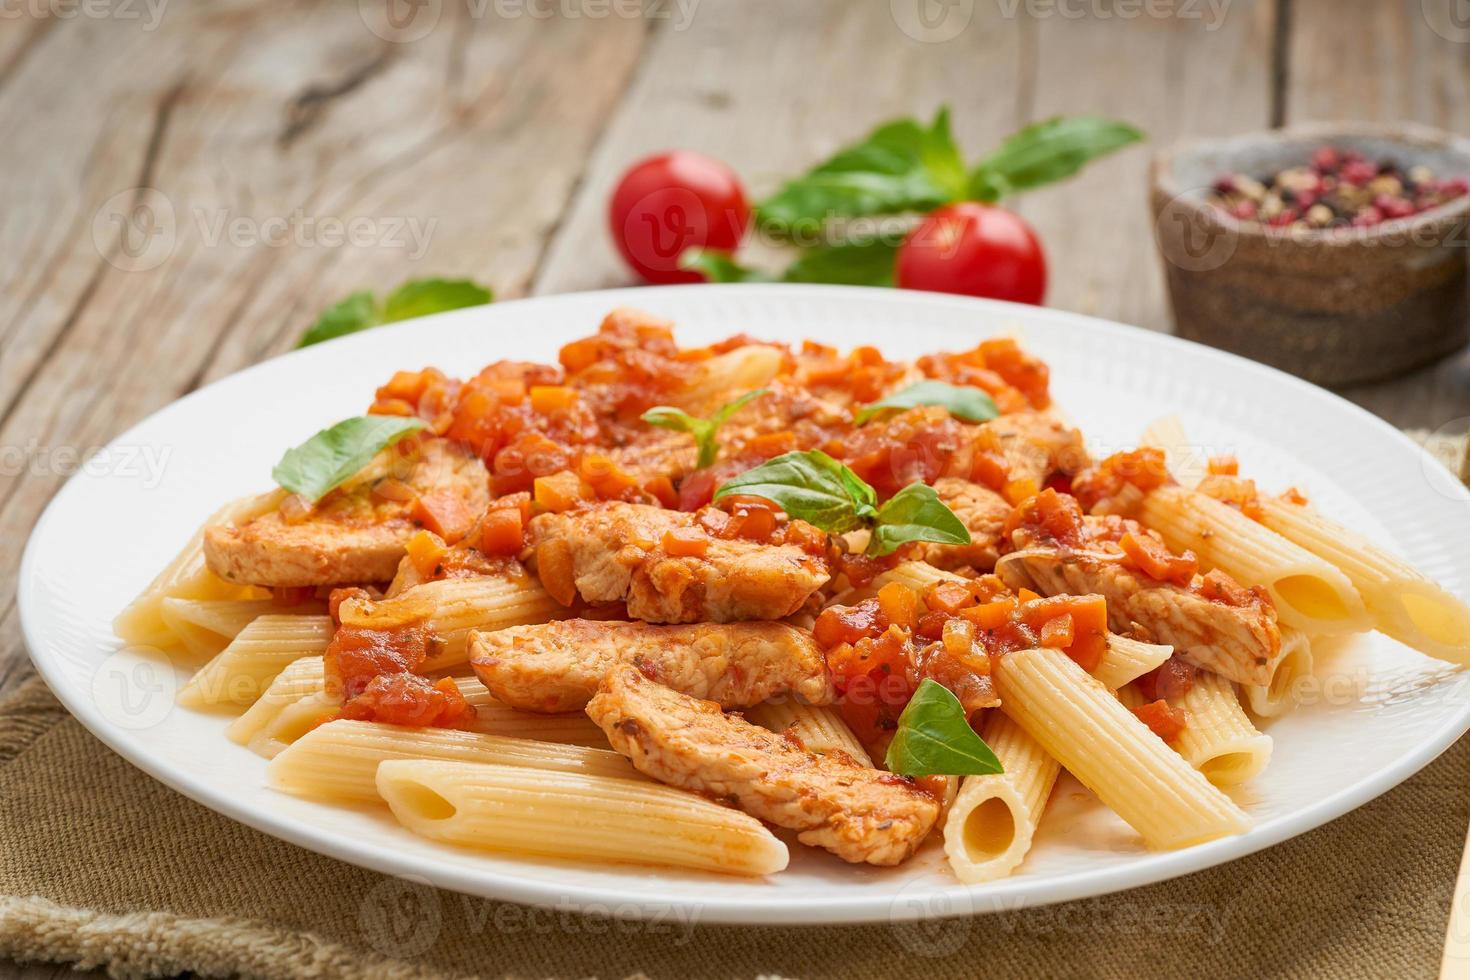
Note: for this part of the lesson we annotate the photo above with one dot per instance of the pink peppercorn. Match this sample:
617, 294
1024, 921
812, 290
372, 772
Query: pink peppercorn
1454, 187
1326, 159
1243, 210
1393, 207
1284, 217
1358, 172
1306, 199
1366, 217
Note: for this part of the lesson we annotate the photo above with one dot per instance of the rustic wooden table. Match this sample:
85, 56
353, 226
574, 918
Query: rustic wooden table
182, 175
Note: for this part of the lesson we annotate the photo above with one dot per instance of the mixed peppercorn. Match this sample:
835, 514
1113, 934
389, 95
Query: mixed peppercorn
1337, 189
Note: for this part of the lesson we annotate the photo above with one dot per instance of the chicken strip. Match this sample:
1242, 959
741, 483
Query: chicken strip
1034, 445
557, 666
355, 534
1241, 642
859, 814
983, 512
619, 552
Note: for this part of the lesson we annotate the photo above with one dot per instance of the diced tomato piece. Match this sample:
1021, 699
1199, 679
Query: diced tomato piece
1224, 466
408, 699
1018, 491
661, 488
1171, 679
848, 624
1162, 719
696, 490
355, 656
547, 399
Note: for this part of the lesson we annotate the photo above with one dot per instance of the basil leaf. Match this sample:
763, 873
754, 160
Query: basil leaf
361, 311
810, 486
900, 166
865, 263
357, 312
934, 738
720, 266
424, 296
915, 513
703, 430
330, 457
1047, 151
961, 401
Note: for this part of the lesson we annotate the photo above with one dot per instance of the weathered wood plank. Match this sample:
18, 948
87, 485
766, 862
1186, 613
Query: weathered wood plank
184, 220
771, 102
1201, 71
1398, 60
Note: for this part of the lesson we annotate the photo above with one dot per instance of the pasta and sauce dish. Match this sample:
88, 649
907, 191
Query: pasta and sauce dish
694, 607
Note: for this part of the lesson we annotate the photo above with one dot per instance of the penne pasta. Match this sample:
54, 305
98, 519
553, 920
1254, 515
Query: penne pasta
1283, 691
1309, 594
451, 608
1128, 659
338, 761
1218, 739
1184, 463
574, 816
991, 823
241, 673
821, 729
1402, 602
142, 623
1099, 741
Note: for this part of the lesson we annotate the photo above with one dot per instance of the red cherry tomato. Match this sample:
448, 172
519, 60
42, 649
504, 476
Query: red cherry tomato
974, 249
672, 202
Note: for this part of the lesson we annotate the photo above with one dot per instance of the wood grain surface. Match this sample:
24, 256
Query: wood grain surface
179, 174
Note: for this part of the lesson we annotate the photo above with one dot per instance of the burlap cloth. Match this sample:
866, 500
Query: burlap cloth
102, 866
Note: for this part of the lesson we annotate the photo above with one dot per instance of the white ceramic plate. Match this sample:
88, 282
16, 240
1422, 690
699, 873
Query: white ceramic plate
1378, 714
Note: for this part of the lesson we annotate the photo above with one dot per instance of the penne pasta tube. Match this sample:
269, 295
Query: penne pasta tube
338, 761
1218, 739
451, 608
241, 672
1282, 692
188, 577
1183, 462
1402, 602
1084, 727
820, 728
574, 816
992, 822
1127, 659
1309, 593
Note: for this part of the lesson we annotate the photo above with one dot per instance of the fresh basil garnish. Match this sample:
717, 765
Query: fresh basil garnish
902, 165
934, 738
362, 311
961, 401
329, 458
703, 430
866, 262
816, 488
1048, 151
915, 513
720, 266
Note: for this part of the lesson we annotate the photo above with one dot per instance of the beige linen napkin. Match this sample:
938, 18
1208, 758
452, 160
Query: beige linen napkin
102, 866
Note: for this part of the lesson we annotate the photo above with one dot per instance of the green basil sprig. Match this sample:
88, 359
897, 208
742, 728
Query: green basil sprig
329, 458
703, 430
860, 262
816, 488
362, 311
934, 738
1048, 151
961, 401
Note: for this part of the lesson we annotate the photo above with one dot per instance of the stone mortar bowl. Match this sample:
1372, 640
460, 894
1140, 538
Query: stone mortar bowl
1334, 306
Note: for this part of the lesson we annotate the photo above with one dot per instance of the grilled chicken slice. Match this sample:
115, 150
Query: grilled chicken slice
616, 552
859, 814
1034, 445
557, 666
1238, 642
983, 512
355, 534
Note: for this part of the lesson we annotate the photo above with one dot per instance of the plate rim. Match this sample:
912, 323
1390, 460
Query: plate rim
952, 900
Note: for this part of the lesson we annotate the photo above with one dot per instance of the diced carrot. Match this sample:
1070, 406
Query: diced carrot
1154, 559
515, 501
686, 542
1224, 466
991, 615
607, 479
949, 597
425, 549
1026, 595
547, 399
501, 531
1057, 632
445, 513
899, 604
661, 488
558, 492
1089, 614
990, 469
1018, 491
